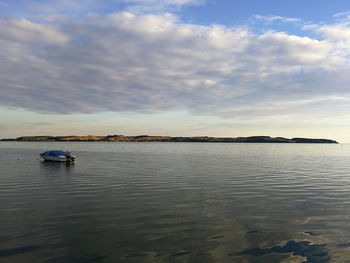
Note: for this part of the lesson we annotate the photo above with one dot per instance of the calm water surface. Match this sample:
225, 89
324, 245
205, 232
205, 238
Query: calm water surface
175, 202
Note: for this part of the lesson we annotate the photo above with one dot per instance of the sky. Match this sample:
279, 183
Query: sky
175, 67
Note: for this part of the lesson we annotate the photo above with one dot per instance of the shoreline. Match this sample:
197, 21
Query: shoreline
149, 138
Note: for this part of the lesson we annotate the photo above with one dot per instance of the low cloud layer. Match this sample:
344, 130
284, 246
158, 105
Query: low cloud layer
153, 63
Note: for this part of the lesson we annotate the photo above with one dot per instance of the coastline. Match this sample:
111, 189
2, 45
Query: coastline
149, 138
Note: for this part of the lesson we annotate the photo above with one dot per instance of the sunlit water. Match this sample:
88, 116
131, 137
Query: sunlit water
175, 202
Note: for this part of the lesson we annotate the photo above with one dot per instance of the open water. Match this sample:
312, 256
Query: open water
175, 202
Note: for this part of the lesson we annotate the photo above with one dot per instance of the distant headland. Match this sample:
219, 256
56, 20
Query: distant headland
148, 138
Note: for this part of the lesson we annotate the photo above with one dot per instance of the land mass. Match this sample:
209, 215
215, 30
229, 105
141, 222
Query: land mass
148, 138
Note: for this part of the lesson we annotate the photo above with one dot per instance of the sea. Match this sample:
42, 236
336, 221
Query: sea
175, 202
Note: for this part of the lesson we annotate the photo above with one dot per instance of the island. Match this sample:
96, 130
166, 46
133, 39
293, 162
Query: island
149, 138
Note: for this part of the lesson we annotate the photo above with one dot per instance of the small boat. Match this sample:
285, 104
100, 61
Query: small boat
58, 156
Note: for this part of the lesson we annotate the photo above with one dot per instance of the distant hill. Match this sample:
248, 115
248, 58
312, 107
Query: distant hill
148, 138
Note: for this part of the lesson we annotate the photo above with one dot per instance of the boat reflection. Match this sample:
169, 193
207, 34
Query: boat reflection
55, 168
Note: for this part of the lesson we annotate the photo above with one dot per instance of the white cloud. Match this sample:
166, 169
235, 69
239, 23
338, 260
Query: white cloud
274, 18
23, 30
342, 17
144, 6
164, 2
152, 63
48, 9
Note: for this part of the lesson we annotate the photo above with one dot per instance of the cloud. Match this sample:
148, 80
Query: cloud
145, 6
342, 17
37, 8
125, 62
24, 31
51, 9
163, 3
273, 18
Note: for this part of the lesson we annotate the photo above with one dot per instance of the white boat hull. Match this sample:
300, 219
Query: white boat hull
55, 159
